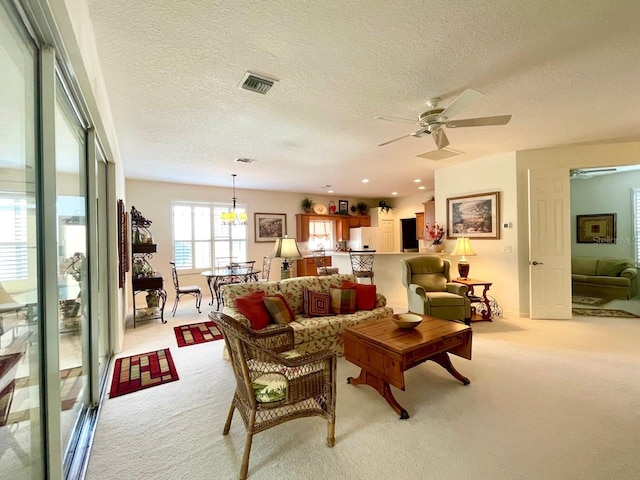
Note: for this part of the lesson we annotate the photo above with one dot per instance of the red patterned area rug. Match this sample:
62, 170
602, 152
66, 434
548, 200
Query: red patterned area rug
70, 386
195, 333
603, 312
136, 372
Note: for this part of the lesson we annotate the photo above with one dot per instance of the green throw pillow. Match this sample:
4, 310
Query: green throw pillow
610, 267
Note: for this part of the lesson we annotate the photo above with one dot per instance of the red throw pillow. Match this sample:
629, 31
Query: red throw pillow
252, 306
365, 294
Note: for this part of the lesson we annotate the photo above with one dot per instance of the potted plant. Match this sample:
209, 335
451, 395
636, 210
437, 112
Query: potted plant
362, 208
306, 204
435, 232
384, 206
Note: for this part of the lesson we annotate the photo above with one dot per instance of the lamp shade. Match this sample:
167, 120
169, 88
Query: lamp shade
285, 248
462, 248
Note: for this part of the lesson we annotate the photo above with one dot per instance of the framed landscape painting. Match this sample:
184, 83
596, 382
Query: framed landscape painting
269, 226
600, 228
474, 216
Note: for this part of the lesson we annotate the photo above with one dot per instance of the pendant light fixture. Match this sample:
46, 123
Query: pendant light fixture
230, 217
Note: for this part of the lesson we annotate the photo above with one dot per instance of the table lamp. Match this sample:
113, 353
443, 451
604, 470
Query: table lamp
463, 248
287, 249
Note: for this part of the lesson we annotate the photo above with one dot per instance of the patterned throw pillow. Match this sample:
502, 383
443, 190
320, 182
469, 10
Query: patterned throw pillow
278, 309
252, 306
365, 295
343, 300
316, 304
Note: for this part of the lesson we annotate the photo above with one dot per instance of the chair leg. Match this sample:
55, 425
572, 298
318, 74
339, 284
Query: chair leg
175, 304
227, 425
331, 433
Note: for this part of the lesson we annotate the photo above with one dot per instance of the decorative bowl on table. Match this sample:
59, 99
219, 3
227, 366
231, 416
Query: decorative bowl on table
407, 320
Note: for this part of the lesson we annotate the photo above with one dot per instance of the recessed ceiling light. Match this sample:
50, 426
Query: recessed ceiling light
365, 180
421, 187
394, 193
329, 191
417, 180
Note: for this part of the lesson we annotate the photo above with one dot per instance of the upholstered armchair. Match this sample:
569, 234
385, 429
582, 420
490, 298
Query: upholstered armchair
430, 291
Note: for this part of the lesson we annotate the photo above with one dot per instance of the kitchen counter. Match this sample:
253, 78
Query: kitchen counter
387, 272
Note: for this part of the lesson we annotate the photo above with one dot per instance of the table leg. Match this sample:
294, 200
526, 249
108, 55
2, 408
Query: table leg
444, 361
487, 314
210, 284
382, 387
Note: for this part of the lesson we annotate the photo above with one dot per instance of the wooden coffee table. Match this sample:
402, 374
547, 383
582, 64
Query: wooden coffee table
383, 352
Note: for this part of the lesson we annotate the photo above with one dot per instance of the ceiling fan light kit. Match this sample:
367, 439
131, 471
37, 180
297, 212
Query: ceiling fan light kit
432, 121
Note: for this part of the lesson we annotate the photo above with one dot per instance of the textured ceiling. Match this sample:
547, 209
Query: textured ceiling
567, 71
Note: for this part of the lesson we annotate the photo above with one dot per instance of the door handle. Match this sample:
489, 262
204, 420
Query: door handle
536, 263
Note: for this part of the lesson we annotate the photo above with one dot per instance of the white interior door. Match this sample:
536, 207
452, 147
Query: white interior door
386, 229
549, 243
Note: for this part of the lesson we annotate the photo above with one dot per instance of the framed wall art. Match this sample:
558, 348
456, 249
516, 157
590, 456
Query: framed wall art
269, 226
599, 228
474, 216
343, 207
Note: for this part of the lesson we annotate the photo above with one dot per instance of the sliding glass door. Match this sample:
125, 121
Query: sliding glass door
21, 437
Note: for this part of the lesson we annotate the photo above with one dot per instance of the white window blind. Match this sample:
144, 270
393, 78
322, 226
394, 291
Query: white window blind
13, 238
200, 236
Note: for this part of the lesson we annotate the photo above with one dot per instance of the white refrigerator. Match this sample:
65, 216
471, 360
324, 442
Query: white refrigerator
364, 238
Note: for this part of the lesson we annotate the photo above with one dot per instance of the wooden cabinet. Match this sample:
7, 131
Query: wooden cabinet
307, 266
420, 225
341, 224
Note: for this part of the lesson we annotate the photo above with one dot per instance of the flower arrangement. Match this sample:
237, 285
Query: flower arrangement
434, 232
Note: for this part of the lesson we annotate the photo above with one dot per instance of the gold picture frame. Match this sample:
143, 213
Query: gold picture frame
474, 216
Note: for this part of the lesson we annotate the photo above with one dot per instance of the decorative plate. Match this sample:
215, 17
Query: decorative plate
320, 209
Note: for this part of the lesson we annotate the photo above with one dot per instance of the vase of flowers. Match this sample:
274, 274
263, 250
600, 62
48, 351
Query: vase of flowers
435, 233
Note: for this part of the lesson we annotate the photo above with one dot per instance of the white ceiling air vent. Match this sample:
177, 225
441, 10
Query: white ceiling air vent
256, 83
244, 160
440, 154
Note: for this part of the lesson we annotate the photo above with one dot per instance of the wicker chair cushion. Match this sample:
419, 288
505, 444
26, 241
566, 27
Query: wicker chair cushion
270, 387
252, 306
279, 309
365, 294
343, 300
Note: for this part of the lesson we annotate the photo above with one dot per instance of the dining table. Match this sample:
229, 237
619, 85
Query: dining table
221, 276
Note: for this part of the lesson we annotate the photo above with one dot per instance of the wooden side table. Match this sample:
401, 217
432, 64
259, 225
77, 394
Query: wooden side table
485, 315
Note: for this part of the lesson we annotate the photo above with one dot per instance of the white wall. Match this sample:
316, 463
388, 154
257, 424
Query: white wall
605, 194
492, 264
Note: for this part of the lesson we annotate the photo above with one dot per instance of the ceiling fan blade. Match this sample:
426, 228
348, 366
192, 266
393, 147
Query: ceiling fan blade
394, 140
440, 138
479, 122
465, 99
395, 119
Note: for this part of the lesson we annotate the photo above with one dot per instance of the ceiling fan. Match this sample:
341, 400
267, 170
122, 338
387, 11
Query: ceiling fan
579, 173
432, 121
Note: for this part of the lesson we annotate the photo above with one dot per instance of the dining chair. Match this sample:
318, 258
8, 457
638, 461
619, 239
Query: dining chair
323, 263
362, 263
180, 291
274, 383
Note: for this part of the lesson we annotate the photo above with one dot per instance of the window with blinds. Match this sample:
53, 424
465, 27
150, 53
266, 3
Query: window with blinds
13, 238
200, 236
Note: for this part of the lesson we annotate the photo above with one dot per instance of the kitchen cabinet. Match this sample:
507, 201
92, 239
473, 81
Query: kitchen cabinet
420, 225
341, 224
307, 266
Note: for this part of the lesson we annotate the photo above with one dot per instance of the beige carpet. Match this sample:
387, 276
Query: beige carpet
548, 400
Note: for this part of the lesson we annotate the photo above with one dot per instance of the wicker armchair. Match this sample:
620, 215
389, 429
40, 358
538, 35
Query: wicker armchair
275, 384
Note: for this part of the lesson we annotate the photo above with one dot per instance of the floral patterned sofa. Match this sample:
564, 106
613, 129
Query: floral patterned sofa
310, 334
